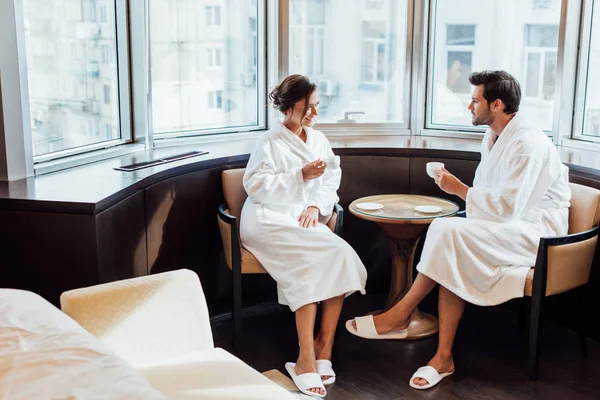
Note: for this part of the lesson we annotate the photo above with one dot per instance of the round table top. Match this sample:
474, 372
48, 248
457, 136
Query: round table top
400, 208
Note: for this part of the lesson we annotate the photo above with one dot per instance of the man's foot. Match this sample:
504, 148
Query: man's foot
441, 364
388, 321
306, 365
323, 350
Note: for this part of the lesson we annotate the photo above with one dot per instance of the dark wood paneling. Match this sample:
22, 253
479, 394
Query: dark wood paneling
181, 215
47, 253
121, 232
182, 232
366, 176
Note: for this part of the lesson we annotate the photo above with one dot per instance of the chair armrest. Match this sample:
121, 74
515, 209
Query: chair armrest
225, 216
339, 222
551, 275
228, 226
569, 239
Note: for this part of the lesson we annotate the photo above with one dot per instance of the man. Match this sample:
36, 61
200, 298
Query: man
520, 193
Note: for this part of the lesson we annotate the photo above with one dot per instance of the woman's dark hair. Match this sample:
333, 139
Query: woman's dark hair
499, 85
290, 90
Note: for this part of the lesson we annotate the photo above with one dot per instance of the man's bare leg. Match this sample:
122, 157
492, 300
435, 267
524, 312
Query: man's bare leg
398, 317
450, 309
330, 315
305, 325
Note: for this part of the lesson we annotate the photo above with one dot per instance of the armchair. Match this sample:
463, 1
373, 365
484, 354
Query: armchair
237, 258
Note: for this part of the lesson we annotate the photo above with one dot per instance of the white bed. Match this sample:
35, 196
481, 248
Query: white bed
44, 354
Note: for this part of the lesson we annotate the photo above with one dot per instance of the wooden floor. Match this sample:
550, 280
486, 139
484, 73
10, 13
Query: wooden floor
490, 357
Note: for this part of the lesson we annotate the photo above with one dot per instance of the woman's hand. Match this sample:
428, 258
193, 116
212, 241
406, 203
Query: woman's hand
313, 170
451, 184
309, 217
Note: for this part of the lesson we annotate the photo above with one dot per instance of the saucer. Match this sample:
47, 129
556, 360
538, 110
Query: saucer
370, 206
428, 209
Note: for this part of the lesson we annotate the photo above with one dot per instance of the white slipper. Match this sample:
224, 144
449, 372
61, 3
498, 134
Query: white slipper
365, 328
325, 368
306, 381
430, 374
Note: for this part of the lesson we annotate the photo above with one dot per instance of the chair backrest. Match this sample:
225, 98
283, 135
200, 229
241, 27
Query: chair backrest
233, 190
585, 208
145, 320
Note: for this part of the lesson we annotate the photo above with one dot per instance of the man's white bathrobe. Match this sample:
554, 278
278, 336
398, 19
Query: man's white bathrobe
520, 193
308, 264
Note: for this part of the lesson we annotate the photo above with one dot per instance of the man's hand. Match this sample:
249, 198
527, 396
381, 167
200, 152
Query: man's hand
313, 170
308, 218
450, 184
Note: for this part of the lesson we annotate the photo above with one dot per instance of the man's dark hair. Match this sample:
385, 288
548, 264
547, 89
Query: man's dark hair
499, 85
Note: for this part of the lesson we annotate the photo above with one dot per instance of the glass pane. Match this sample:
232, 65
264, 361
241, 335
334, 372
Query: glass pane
356, 55
533, 70
204, 64
549, 74
72, 73
542, 36
369, 62
459, 68
591, 122
460, 35
518, 36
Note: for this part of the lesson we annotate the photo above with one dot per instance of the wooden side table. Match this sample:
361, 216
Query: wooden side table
403, 226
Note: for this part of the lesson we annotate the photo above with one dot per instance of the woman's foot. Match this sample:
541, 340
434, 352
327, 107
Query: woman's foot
442, 364
323, 350
307, 364
389, 321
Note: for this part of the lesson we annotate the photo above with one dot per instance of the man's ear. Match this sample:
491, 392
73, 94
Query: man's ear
498, 105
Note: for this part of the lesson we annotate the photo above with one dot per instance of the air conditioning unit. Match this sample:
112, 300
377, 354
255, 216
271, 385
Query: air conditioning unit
327, 87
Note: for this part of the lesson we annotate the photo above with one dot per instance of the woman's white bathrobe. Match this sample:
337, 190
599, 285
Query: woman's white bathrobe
520, 193
308, 264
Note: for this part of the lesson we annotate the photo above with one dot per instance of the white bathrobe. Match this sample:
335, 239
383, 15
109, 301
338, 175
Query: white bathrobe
520, 193
308, 264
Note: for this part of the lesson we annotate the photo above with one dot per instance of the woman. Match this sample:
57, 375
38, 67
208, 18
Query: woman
291, 195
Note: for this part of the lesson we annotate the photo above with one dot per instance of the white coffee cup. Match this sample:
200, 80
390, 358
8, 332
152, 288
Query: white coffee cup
332, 162
433, 167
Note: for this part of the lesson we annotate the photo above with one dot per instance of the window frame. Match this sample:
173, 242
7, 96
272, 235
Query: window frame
429, 127
567, 55
361, 129
169, 138
583, 69
123, 94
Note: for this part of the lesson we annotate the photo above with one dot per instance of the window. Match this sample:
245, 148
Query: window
460, 42
591, 79
204, 79
356, 55
215, 99
213, 15
106, 94
374, 51
213, 58
307, 37
540, 60
63, 102
103, 18
515, 37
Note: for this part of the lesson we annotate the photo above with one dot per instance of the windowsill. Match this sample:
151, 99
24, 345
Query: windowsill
47, 167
